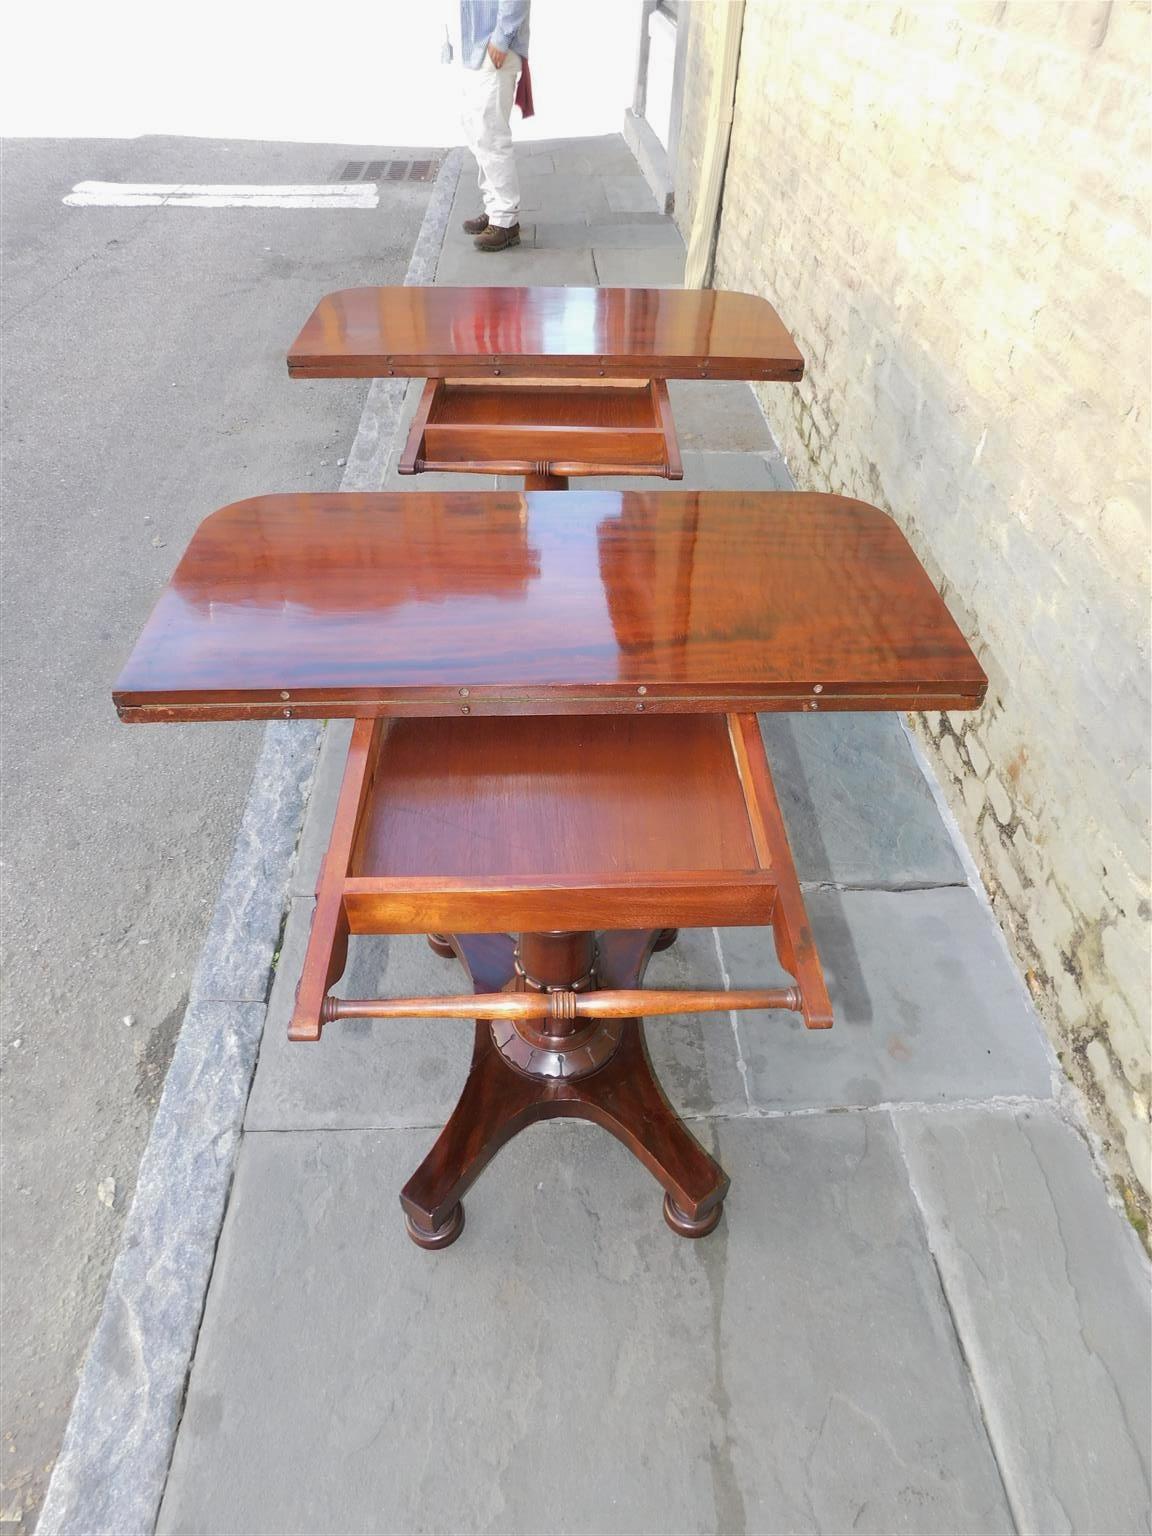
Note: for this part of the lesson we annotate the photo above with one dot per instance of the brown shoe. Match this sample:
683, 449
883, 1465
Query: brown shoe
496, 239
476, 226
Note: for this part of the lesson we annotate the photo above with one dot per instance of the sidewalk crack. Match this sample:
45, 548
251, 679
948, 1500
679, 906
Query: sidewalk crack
954, 1325
741, 1064
895, 888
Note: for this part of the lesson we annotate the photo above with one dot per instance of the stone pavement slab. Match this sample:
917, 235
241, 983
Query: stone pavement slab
552, 234
522, 266
402, 1072
735, 472
598, 155
570, 1365
719, 415
1050, 1293
560, 190
856, 805
696, 1056
928, 1007
629, 194
646, 267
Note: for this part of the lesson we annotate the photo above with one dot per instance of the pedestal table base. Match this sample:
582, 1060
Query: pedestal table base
599, 1072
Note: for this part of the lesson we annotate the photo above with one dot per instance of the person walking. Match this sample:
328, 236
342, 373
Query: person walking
494, 53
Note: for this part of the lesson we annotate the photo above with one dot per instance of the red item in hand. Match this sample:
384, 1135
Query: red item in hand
523, 97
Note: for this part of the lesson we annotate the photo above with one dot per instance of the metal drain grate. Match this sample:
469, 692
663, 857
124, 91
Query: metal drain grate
388, 170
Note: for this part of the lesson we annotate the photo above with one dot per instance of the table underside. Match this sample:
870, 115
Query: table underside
590, 839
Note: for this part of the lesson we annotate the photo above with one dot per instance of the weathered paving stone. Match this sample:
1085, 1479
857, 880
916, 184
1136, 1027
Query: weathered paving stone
651, 267
571, 190
519, 267
927, 1005
362, 1072
553, 234
1050, 1292
796, 1372
628, 194
737, 471
695, 1055
718, 415
855, 802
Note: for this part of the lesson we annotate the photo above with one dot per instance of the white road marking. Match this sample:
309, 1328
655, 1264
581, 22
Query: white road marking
119, 194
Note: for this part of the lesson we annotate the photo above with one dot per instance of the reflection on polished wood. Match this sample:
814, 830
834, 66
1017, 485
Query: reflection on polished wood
506, 603
624, 793
589, 332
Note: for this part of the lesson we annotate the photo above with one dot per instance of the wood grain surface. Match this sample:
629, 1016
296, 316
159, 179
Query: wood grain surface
589, 332
555, 798
555, 827
535, 603
519, 427
627, 822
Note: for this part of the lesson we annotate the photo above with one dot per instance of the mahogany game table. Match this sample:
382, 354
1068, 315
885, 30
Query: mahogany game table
556, 759
544, 382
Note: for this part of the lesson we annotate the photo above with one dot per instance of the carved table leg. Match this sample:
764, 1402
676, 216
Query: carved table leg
495, 1104
601, 1073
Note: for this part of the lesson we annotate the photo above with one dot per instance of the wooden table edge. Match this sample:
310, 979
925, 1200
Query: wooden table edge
441, 365
134, 708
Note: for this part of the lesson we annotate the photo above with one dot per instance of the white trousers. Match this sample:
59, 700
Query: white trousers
486, 113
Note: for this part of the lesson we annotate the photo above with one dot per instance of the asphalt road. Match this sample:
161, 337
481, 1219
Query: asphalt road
144, 385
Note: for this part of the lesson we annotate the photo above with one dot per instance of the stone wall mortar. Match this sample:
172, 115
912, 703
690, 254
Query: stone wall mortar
949, 206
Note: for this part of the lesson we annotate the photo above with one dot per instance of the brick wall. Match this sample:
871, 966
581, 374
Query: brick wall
949, 206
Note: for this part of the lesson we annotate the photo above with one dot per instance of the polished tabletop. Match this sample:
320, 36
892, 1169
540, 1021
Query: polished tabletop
522, 332
577, 602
